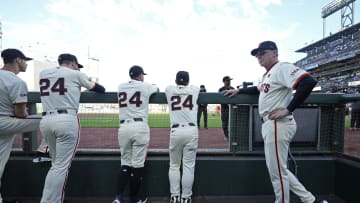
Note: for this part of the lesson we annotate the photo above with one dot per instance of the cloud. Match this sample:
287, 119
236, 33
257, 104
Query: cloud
209, 38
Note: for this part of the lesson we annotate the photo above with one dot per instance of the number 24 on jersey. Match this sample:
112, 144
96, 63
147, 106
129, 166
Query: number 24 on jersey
134, 99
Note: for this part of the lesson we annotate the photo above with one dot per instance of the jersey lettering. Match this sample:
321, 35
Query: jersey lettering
265, 87
134, 99
122, 99
58, 86
294, 71
176, 103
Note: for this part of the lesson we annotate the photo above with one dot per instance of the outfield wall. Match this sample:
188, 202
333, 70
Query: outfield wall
323, 132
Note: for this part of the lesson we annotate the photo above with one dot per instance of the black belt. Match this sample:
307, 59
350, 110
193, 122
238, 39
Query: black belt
135, 119
177, 125
59, 111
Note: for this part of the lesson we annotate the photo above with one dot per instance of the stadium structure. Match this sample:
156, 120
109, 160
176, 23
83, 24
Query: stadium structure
0, 36
1, 41
335, 60
234, 172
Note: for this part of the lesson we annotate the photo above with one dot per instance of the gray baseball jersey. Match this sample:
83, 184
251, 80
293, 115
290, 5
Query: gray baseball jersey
276, 92
134, 132
134, 99
13, 90
182, 103
277, 85
60, 90
184, 135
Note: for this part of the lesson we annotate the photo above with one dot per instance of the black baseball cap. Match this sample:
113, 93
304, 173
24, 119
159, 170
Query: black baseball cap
202, 86
10, 54
182, 77
136, 71
226, 78
68, 57
266, 45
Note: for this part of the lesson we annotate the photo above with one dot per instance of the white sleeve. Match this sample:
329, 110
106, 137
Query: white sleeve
18, 92
167, 93
85, 81
151, 88
195, 89
289, 75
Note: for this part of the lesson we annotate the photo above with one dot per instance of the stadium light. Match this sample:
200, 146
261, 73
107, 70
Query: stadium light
334, 6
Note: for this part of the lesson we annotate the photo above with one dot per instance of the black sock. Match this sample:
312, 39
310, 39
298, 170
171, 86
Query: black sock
137, 188
123, 179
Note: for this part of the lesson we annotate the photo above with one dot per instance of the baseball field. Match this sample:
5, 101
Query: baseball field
156, 120
99, 132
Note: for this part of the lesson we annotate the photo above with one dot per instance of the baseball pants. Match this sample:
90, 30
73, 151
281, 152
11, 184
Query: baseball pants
133, 137
183, 146
225, 122
202, 110
9, 126
61, 132
277, 135
355, 119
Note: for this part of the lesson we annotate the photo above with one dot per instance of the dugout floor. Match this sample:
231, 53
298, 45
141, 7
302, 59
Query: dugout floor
199, 199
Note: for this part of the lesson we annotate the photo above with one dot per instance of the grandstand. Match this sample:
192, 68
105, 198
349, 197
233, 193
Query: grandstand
335, 61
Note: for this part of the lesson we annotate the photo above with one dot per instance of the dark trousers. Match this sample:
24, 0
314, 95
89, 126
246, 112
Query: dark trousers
225, 122
355, 119
202, 110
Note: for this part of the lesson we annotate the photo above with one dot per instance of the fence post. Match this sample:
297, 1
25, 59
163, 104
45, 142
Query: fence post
30, 138
337, 136
239, 127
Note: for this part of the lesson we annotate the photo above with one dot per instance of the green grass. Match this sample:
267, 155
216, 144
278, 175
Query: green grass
101, 122
347, 121
156, 120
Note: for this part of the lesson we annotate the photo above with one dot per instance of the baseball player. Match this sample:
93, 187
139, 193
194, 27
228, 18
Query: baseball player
133, 134
225, 107
13, 112
60, 90
202, 109
276, 105
184, 136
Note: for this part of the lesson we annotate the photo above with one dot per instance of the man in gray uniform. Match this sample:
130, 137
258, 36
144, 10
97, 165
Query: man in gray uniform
13, 112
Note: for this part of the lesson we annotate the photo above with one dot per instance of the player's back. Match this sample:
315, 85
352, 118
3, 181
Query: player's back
60, 88
133, 97
182, 102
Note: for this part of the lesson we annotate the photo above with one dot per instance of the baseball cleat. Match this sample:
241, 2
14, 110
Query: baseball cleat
142, 201
186, 200
175, 199
116, 201
321, 201
41, 157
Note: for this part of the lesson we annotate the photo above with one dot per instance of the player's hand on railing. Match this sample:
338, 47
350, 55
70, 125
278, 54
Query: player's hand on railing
231, 93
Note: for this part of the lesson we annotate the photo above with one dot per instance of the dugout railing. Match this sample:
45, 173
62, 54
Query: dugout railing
320, 120
241, 171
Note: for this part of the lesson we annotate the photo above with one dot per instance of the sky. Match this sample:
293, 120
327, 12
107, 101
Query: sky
208, 38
